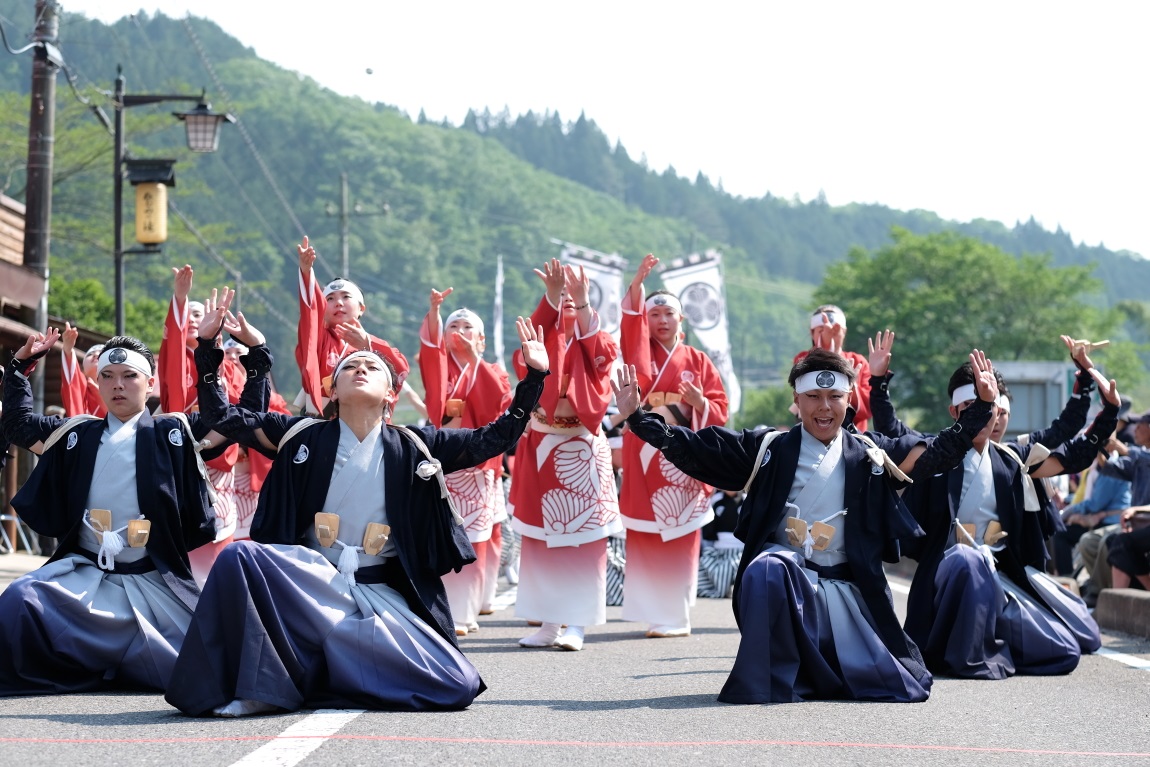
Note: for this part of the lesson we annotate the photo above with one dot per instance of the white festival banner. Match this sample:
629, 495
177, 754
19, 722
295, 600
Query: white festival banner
605, 271
697, 280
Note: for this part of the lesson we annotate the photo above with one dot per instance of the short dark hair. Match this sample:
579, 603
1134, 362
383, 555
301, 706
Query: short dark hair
964, 375
821, 359
131, 343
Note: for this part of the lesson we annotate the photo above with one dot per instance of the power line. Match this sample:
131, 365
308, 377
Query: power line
228, 267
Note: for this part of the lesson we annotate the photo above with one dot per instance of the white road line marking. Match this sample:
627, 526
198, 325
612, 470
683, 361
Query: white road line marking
1139, 663
292, 745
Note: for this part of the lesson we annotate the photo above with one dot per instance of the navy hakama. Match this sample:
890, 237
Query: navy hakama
803, 641
280, 624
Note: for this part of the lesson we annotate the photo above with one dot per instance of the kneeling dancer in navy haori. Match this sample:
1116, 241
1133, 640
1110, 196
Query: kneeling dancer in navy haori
338, 599
821, 514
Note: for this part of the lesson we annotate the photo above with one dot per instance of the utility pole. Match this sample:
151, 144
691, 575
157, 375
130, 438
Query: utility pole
345, 212
41, 140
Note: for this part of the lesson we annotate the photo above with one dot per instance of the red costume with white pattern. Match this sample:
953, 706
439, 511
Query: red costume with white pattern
318, 348
664, 509
459, 394
563, 495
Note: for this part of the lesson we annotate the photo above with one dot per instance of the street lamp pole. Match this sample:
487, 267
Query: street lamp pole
202, 128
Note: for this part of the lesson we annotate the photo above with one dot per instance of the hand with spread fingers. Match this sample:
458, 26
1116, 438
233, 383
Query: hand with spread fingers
626, 388
879, 350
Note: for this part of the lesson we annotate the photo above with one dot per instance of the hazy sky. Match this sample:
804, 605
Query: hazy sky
972, 109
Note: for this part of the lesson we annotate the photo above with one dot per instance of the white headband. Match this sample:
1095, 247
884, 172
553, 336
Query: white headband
963, 394
1003, 403
822, 379
663, 299
347, 286
96, 349
197, 305
122, 356
468, 315
232, 343
833, 316
355, 355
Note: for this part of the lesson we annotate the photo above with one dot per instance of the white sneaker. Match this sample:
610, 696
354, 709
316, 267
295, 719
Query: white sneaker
669, 631
472, 627
544, 637
572, 639
241, 707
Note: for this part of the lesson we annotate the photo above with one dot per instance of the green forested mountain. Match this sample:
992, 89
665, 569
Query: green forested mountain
456, 197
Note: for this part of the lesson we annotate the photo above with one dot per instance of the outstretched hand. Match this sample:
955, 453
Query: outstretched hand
306, 255
984, 381
879, 349
216, 311
437, 297
531, 344
626, 388
37, 344
70, 337
182, 282
553, 277
239, 328
1080, 350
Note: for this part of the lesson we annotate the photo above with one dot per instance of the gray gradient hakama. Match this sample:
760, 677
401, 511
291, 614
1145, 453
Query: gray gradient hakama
279, 624
72, 627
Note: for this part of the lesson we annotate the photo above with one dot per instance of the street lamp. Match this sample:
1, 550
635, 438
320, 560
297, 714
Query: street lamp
202, 126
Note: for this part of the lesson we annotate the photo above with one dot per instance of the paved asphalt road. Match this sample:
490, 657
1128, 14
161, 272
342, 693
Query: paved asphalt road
626, 700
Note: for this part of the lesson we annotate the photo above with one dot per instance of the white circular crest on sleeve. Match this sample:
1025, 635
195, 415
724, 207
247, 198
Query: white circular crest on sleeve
176, 437
73, 438
301, 454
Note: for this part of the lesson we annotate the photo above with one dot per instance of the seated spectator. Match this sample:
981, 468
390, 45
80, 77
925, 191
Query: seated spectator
1105, 499
1127, 551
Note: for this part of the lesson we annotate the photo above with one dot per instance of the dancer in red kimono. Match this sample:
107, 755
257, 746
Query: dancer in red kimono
664, 509
177, 373
563, 497
462, 390
329, 329
78, 390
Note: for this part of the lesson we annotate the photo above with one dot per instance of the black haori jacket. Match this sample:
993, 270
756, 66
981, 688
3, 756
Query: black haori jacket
935, 501
171, 492
428, 541
876, 517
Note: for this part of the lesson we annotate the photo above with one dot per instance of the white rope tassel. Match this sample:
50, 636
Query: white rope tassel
111, 543
433, 468
348, 561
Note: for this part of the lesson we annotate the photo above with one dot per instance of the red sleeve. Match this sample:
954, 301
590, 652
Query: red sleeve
307, 351
433, 372
488, 397
635, 345
92, 396
545, 316
395, 357
861, 398
173, 362
711, 383
588, 364
72, 386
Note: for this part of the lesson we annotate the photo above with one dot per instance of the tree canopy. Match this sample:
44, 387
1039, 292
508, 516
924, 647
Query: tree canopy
944, 294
